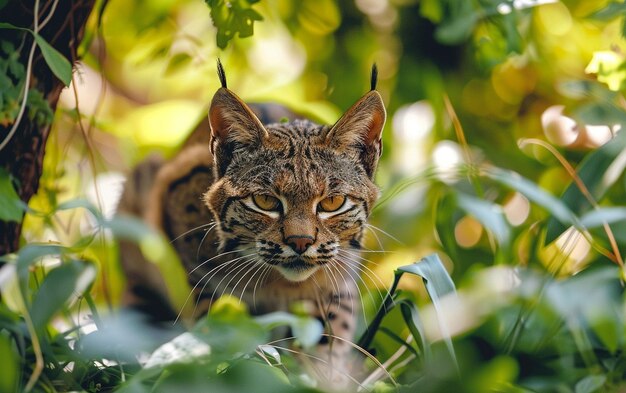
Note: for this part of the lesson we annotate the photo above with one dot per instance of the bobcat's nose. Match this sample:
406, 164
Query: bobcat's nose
299, 243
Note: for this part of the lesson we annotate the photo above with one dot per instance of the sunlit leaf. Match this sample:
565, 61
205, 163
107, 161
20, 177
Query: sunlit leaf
608, 66
590, 384
438, 284
595, 174
306, 330
185, 348
272, 352
11, 206
604, 215
436, 278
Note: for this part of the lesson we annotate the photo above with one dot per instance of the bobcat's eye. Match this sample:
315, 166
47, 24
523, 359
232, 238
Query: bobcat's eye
331, 204
266, 202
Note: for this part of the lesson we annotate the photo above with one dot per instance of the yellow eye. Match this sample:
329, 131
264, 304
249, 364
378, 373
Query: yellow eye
332, 203
266, 202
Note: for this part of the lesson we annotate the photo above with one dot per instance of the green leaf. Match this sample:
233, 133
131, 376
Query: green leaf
598, 178
590, 300
559, 210
410, 313
601, 216
488, 214
232, 18
59, 65
438, 284
57, 288
306, 330
11, 206
436, 278
31, 253
590, 384
457, 30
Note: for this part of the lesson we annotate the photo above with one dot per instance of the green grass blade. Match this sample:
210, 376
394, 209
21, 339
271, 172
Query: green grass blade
438, 284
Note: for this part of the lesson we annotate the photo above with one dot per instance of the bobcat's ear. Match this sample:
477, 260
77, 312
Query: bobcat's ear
233, 125
359, 131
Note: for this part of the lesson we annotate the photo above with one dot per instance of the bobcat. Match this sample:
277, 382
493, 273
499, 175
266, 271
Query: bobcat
273, 214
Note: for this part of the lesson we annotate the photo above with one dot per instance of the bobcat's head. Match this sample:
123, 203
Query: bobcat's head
293, 195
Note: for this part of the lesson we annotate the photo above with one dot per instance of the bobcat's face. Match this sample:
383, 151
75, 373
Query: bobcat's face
294, 201
293, 196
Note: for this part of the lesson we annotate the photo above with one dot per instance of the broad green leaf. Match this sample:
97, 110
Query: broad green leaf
438, 284
32, 253
185, 348
11, 206
457, 30
306, 330
590, 384
599, 217
81, 203
598, 171
489, 214
57, 288
601, 113
436, 278
559, 210
590, 300
59, 65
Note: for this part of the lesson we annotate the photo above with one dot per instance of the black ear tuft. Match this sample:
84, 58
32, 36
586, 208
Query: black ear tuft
221, 74
374, 79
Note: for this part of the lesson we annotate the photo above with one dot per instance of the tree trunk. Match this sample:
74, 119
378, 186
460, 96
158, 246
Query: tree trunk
23, 155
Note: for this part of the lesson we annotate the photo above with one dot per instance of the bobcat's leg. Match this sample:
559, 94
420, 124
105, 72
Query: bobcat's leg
338, 313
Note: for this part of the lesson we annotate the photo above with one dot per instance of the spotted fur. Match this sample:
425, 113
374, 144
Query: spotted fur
203, 200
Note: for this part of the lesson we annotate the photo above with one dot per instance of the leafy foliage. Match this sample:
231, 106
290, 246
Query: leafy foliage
12, 78
232, 18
